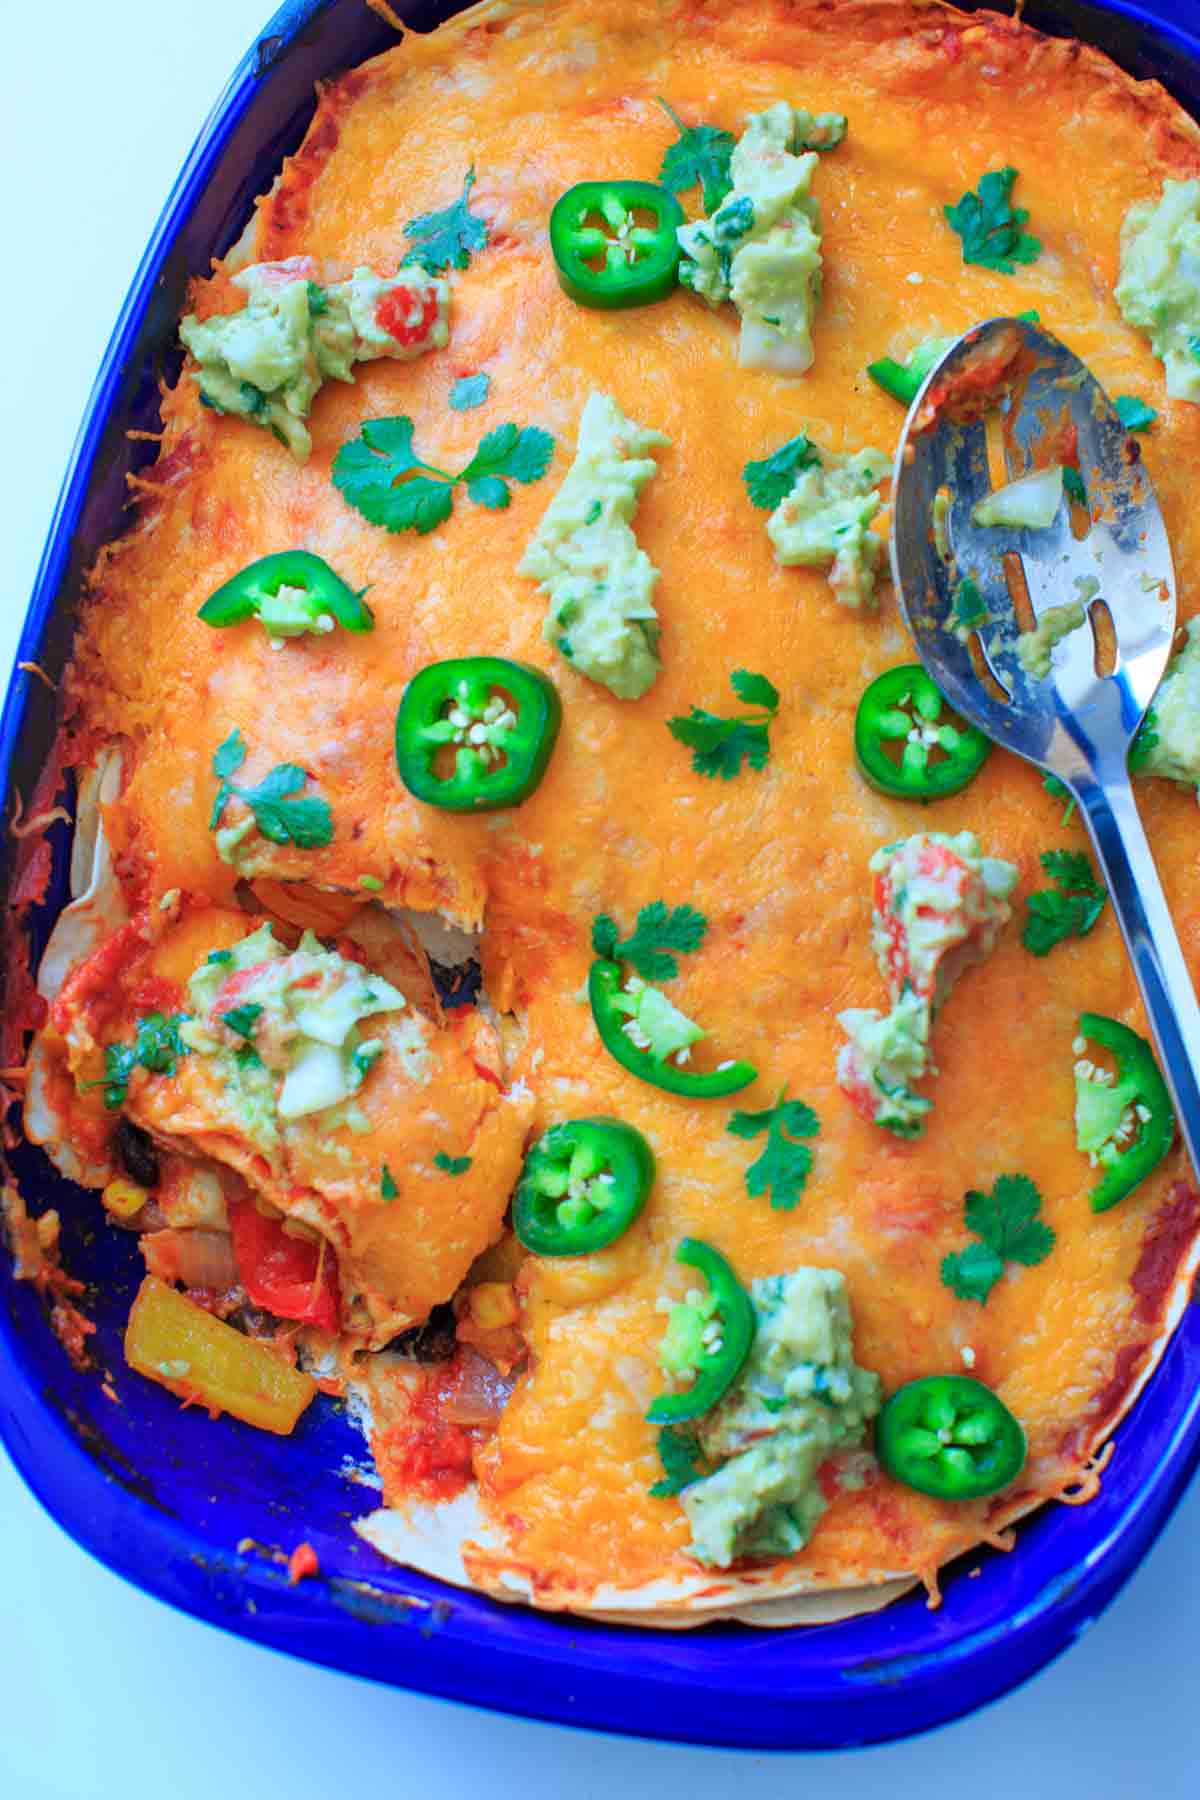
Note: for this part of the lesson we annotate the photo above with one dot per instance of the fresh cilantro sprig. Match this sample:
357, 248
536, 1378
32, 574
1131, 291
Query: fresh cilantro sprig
469, 391
387, 1185
785, 1165
1008, 1228
1133, 413
306, 822
368, 472
991, 229
719, 746
452, 1165
700, 155
771, 480
156, 1047
449, 238
682, 1460
657, 934
1070, 908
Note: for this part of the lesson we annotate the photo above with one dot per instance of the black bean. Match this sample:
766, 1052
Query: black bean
432, 1342
137, 1154
457, 986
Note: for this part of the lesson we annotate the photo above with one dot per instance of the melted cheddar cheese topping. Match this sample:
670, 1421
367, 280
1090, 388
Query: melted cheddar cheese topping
536, 99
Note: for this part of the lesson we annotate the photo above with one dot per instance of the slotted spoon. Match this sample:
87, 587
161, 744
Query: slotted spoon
1078, 722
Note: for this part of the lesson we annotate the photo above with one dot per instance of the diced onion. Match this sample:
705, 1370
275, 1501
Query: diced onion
479, 1394
198, 1259
1032, 502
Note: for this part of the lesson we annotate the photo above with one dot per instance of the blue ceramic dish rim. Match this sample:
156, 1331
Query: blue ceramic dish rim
634, 1683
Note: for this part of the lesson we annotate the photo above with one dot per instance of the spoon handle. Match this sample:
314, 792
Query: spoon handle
1140, 905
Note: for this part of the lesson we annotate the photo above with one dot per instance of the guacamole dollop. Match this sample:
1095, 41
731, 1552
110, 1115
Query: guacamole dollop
1035, 648
585, 556
762, 247
1158, 290
825, 523
1169, 744
284, 1028
267, 362
939, 906
799, 1398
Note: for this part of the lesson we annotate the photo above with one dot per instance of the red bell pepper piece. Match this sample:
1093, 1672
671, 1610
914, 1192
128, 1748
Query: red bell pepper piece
288, 1276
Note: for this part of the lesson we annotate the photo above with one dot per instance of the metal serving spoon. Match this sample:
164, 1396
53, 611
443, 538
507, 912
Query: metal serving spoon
1080, 720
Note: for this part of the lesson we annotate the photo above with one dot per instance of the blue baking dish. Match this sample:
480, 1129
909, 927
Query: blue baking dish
166, 1497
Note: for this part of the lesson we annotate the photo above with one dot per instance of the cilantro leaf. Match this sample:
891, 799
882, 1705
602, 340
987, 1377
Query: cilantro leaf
307, 823
447, 239
784, 1165
657, 933
720, 745
229, 756
754, 690
1059, 789
771, 480
156, 1047
369, 473
1145, 741
452, 1165
969, 609
469, 391
1069, 909
682, 1462
989, 227
699, 156
1008, 1227
520, 455
604, 937
242, 1019
227, 760
1073, 486
366, 471
971, 1274
1007, 1220
387, 1186
1133, 413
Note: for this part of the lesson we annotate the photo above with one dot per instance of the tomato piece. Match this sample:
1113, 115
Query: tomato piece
289, 1276
406, 316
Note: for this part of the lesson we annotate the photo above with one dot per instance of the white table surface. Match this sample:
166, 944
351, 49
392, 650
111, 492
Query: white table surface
103, 1691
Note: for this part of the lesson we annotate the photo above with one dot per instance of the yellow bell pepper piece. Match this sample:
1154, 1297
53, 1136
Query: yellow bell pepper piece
171, 1340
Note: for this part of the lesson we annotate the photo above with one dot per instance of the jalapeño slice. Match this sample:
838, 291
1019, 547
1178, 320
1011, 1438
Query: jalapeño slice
584, 1183
730, 1308
1139, 1094
615, 243
475, 733
291, 591
612, 1021
949, 1436
935, 753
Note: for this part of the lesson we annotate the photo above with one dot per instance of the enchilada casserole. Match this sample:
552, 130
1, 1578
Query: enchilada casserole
545, 969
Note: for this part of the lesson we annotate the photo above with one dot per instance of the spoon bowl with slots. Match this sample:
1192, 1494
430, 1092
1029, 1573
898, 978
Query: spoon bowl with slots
1006, 399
